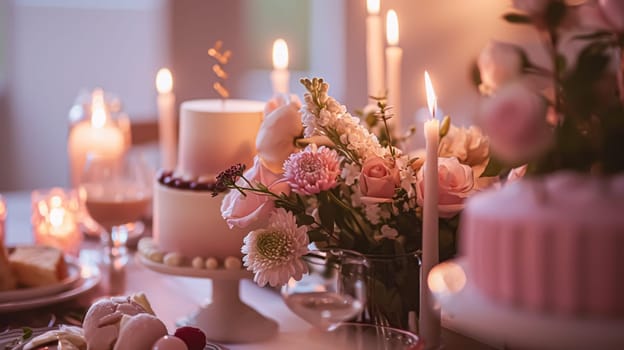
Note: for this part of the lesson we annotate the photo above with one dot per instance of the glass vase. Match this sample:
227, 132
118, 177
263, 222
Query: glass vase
393, 291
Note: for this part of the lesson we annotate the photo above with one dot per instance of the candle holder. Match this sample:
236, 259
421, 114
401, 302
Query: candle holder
97, 126
55, 219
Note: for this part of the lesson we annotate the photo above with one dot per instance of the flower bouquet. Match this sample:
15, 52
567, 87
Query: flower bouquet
566, 113
322, 177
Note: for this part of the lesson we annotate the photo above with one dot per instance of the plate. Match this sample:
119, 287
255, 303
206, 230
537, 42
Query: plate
466, 310
220, 273
88, 278
73, 274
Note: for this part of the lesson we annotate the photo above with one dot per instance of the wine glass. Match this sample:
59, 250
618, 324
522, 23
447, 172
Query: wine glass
117, 192
333, 290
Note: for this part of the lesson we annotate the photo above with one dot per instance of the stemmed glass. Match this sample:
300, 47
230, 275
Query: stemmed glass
116, 192
333, 291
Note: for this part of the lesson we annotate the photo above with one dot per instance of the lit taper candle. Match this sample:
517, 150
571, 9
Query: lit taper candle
280, 75
167, 126
374, 50
430, 316
394, 56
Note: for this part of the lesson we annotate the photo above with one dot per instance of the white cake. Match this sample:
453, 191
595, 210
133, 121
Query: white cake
214, 135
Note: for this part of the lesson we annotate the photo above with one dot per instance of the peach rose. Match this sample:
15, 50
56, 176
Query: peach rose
279, 129
252, 210
498, 63
455, 184
378, 180
515, 121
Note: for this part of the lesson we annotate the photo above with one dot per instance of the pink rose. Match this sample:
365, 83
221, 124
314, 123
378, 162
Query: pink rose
515, 121
499, 63
456, 183
252, 210
378, 180
613, 12
279, 129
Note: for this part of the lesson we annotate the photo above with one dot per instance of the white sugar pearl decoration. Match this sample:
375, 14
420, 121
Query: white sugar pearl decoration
145, 245
232, 263
198, 262
212, 263
173, 259
156, 256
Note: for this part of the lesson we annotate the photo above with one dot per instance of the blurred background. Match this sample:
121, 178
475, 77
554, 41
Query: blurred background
50, 50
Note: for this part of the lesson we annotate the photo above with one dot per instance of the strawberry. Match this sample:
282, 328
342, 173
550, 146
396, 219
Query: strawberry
193, 337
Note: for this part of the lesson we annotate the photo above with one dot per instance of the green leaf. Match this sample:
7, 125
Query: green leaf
327, 211
493, 168
517, 18
26, 333
555, 12
304, 220
594, 36
317, 235
475, 74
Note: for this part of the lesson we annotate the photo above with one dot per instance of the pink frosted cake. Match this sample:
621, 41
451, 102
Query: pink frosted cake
550, 246
214, 135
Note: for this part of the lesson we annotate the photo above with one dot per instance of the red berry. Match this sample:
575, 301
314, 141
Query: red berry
193, 337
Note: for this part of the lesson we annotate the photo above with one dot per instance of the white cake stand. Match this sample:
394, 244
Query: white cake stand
226, 319
469, 312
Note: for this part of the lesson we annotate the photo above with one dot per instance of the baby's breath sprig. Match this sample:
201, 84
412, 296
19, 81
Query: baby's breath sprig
384, 115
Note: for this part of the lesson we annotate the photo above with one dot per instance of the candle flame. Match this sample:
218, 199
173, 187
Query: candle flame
57, 215
432, 101
392, 28
55, 201
2, 209
164, 81
98, 109
372, 6
280, 54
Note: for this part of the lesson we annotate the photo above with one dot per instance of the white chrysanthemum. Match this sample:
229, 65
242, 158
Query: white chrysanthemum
373, 212
274, 254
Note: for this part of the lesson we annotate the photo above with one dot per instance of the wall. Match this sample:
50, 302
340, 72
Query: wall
58, 47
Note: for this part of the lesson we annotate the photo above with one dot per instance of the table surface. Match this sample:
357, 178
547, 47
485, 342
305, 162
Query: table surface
172, 297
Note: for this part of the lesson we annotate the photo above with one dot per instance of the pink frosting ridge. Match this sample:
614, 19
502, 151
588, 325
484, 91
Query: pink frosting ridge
553, 245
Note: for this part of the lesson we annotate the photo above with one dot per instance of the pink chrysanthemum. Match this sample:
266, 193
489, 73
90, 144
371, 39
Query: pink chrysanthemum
274, 254
313, 170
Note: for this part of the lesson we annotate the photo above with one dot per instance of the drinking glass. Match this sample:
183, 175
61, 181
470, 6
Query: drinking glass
333, 290
117, 192
362, 336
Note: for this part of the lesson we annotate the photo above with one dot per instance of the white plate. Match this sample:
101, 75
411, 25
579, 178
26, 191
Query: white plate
220, 273
472, 314
89, 277
73, 274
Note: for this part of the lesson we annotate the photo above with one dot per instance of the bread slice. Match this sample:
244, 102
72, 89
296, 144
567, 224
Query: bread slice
36, 266
7, 280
